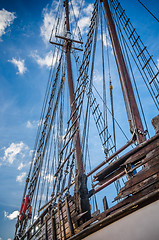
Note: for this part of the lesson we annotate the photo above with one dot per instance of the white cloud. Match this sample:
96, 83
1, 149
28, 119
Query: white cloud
19, 64
20, 178
89, 9
6, 19
83, 24
11, 153
21, 166
106, 40
29, 124
11, 216
47, 60
9, 239
31, 153
49, 177
40, 123
48, 21
98, 77
46, 28
34, 124
85, 16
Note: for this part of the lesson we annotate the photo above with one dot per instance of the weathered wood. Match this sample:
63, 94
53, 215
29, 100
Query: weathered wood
151, 158
53, 223
140, 176
116, 164
110, 176
139, 187
105, 203
69, 217
142, 152
123, 204
46, 234
63, 225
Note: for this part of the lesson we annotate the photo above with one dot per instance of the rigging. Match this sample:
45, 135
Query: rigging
149, 11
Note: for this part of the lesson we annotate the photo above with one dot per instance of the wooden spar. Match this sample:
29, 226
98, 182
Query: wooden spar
127, 89
109, 182
113, 155
81, 191
71, 91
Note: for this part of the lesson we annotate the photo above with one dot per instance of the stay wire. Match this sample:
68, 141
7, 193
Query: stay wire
56, 19
111, 113
77, 19
149, 11
104, 83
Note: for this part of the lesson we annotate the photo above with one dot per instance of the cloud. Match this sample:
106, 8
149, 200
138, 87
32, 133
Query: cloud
29, 124
46, 27
98, 77
89, 9
19, 64
21, 166
48, 21
12, 152
83, 24
20, 178
11, 216
84, 20
6, 19
47, 60
49, 177
34, 124
106, 40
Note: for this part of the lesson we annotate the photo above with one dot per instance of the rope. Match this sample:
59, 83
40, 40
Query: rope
104, 84
149, 11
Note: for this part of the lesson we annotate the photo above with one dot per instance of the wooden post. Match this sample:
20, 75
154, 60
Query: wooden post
53, 223
46, 235
69, 217
105, 203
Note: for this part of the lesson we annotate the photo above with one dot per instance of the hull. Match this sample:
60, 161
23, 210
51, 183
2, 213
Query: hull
139, 225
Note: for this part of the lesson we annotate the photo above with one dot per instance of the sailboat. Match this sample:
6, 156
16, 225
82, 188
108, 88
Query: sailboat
81, 185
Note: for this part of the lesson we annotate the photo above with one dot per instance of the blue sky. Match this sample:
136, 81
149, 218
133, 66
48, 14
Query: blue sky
25, 57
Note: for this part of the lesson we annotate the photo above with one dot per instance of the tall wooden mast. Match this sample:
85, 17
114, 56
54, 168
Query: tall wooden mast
71, 91
129, 98
81, 191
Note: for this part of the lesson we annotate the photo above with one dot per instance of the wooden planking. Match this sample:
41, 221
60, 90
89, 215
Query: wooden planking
45, 230
154, 146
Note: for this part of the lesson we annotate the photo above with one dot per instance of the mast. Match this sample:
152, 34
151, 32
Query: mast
71, 91
81, 191
129, 98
